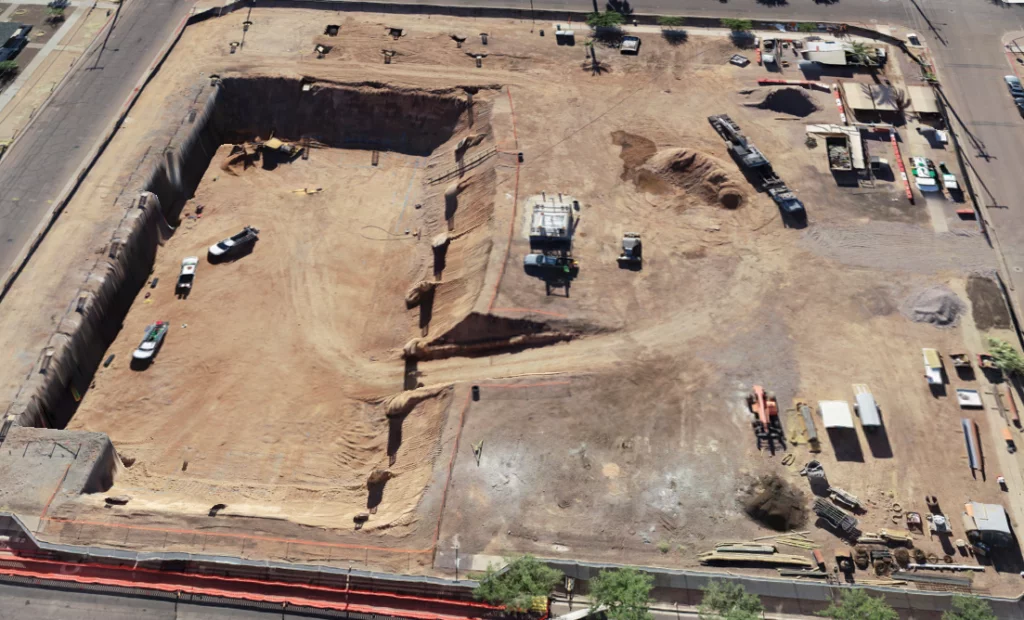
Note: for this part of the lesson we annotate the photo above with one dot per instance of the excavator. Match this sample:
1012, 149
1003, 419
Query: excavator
767, 427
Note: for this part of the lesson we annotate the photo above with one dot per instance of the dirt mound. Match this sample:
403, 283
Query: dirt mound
794, 101
774, 503
936, 305
698, 174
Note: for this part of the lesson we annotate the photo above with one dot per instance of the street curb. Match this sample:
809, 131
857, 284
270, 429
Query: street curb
69, 190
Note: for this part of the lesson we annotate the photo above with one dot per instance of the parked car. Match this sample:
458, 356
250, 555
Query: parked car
188, 273
235, 244
1019, 102
1013, 83
630, 45
925, 175
151, 341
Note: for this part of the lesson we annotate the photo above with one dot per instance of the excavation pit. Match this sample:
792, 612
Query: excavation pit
289, 351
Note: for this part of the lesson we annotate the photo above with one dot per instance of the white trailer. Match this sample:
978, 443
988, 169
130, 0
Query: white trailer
866, 407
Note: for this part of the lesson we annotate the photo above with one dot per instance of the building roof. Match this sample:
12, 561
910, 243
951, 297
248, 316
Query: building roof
988, 517
825, 52
874, 97
7, 30
835, 413
922, 99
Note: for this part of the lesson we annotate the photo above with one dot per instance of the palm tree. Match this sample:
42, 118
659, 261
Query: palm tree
862, 54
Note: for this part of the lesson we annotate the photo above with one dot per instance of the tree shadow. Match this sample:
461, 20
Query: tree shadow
621, 7
609, 36
772, 2
675, 36
742, 39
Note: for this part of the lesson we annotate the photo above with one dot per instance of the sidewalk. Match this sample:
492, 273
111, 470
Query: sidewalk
20, 99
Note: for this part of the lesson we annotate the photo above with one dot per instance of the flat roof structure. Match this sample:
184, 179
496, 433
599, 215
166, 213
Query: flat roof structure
825, 52
870, 97
835, 413
922, 100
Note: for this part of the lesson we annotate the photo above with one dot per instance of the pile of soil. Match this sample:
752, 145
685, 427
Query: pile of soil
774, 503
936, 305
793, 101
698, 174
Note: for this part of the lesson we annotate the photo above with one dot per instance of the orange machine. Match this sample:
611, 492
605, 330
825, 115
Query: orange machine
766, 423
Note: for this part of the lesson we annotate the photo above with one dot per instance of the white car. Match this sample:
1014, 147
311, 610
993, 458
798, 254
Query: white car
151, 341
188, 273
630, 45
233, 244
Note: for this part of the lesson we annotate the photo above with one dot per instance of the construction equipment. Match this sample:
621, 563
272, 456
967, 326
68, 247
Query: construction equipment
835, 517
845, 498
767, 426
960, 360
756, 165
898, 538
933, 367
632, 249
938, 524
1011, 446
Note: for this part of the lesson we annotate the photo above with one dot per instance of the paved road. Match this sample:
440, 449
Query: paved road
37, 603
44, 159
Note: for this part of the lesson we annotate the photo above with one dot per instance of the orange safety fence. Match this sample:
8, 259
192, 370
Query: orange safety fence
60, 567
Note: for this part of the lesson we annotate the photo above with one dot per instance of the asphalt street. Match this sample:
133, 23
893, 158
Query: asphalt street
37, 603
45, 157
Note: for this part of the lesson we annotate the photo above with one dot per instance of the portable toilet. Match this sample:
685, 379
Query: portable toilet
866, 407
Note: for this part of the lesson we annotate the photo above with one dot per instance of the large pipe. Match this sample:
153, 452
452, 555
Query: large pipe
971, 438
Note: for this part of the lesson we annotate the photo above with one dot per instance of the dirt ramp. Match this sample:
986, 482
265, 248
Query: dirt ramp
698, 174
792, 101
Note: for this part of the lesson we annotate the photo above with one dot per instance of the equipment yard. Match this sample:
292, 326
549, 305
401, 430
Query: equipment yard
377, 378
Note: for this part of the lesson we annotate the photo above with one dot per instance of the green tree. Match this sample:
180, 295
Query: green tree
807, 27
55, 14
8, 69
738, 25
523, 579
626, 593
968, 608
859, 605
1006, 357
608, 19
863, 54
730, 601
671, 21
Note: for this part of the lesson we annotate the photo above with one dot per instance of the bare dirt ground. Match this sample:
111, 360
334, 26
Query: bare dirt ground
629, 442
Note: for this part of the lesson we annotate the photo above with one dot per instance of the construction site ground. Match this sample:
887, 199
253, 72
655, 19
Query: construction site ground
261, 428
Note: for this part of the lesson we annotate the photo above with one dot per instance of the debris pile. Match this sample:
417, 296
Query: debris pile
775, 503
698, 174
936, 305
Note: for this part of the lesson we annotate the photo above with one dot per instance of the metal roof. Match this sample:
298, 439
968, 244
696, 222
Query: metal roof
835, 413
988, 517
